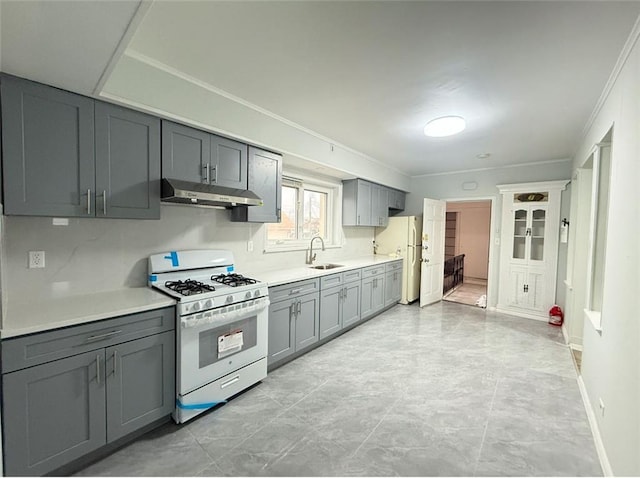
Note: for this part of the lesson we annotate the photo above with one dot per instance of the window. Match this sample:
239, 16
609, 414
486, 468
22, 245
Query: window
308, 210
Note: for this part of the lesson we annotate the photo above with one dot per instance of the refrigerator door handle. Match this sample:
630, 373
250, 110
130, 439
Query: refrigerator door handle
413, 255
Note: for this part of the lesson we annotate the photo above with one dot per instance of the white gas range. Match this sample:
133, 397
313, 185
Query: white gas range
222, 326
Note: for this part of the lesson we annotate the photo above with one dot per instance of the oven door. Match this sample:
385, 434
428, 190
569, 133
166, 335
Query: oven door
216, 342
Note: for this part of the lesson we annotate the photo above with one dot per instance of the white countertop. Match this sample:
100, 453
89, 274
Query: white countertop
27, 317
293, 274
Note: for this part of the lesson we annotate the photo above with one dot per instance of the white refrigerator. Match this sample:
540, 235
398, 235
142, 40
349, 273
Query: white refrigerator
402, 236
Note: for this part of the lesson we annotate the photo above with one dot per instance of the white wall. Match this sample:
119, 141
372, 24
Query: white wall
93, 254
449, 186
611, 360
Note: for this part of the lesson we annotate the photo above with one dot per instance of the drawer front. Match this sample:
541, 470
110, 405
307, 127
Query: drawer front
372, 271
35, 349
393, 266
294, 289
352, 276
331, 281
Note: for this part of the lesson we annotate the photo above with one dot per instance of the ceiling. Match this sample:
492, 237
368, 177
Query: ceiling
366, 74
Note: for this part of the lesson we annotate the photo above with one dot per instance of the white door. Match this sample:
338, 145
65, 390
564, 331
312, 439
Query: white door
432, 269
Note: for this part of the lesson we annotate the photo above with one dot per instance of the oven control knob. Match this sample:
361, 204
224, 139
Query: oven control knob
229, 299
256, 293
208, 304
248, 295
195, 307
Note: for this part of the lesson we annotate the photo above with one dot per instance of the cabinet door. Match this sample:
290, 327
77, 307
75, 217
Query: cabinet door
48, 150
397, 286
281, 330
389, 288
351, 303
364, 206
536, 292
378, 293
228, 163
307, 321
366, 297
264, 179
140, 383
330, 311
517, 295
53, 413
127, 163
380, 211
185, 153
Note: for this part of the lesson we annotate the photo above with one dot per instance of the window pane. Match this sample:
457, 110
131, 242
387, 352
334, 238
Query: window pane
314, 212
286, 229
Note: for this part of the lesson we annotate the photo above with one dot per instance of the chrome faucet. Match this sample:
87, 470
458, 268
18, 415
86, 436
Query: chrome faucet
310, 255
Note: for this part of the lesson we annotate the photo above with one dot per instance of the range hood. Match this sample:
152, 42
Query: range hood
186, 192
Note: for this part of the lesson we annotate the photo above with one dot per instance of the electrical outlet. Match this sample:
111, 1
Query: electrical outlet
36, 259
249, 246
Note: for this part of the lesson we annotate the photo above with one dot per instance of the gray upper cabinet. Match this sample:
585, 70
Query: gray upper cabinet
127, 163
264, 179
194, 155
368, 204
186, 153
64, 152
48, 150
53, 413
228, 165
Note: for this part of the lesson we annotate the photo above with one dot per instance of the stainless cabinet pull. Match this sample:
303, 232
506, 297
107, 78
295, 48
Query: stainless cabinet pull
98, 368
294, 291
291, 310
299, 308
104, 203
108, 335
358, 218
214, 171
205, 170
89, 202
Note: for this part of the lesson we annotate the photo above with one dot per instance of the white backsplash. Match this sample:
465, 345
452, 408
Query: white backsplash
92, 255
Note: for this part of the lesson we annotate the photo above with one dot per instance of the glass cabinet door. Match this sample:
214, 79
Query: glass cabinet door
536, 233
519, 233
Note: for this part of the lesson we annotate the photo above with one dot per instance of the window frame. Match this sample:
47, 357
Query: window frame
334, 233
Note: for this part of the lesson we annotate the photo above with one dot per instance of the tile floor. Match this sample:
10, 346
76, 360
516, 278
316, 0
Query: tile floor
468, 292
445, 390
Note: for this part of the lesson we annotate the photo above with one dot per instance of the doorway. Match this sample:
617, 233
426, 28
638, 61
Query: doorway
467, 240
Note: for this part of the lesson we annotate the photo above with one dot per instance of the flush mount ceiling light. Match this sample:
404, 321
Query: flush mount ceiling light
444, 126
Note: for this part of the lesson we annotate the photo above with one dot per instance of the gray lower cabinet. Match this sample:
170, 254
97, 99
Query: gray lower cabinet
57, 410
392, 287
339, 304
264, 179
68, 155
372, 298
293, 319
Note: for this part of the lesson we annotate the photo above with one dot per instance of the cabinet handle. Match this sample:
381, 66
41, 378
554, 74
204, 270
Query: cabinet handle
294, 291
278, 214
358, 221
98, 369
205, 170
104, 202
115, 363
298, 308
89, 202
214, 172
108, 335
291, 310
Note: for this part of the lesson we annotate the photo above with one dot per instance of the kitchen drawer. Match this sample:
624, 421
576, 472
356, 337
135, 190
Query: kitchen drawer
331, 281
35, 349
352, 276
372, 271
393, 266
294, 289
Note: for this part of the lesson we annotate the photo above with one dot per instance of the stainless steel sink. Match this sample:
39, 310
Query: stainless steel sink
326, 266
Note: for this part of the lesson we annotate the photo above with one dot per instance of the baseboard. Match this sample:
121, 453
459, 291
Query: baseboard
521, 314
577, 347
595, 430
565, 335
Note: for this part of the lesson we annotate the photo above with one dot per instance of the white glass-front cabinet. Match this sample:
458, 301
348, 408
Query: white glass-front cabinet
529, 251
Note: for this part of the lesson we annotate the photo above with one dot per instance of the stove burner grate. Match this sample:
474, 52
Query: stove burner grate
233, 280
189, 287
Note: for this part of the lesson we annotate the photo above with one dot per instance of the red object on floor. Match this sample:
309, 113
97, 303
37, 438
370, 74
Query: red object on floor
556, 316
